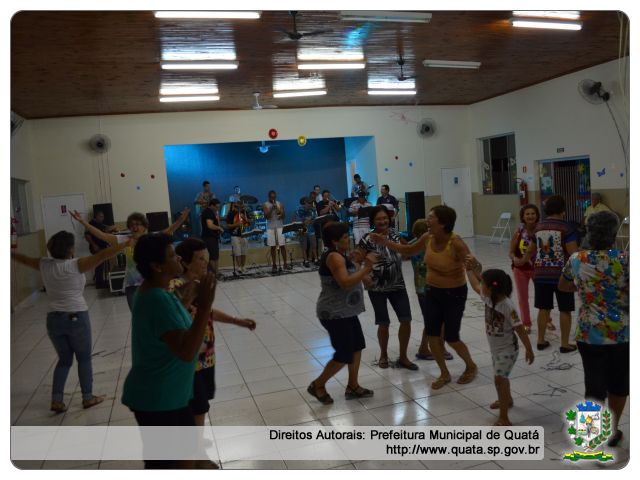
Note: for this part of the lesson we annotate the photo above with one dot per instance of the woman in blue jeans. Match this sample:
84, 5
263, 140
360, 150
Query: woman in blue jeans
68, 322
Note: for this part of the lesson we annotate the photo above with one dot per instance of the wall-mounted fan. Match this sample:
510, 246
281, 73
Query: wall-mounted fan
402, 77
295, 34
593, 92
100, 143
426, 128
257, 105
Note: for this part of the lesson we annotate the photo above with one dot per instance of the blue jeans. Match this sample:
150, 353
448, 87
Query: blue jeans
70, 333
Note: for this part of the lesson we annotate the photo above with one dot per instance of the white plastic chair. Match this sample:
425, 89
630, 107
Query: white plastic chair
502, 225
622, 237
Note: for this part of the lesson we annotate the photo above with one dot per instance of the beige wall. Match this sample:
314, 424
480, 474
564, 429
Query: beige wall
24, 280
487, 208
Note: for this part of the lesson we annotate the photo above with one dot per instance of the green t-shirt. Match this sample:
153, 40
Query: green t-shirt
158, 380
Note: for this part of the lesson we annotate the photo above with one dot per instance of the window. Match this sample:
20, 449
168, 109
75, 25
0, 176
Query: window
19, 206
499, 165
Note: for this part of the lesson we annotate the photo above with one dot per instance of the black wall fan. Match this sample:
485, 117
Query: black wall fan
593, 92
402, 77
296, 35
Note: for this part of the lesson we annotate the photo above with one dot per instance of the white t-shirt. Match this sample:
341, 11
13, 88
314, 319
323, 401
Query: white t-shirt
500, 324
64, 283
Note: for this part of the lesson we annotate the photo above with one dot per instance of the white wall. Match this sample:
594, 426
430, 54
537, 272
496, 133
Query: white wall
65, 164
551, 115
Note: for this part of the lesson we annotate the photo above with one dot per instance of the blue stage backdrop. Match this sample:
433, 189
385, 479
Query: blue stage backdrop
287, 168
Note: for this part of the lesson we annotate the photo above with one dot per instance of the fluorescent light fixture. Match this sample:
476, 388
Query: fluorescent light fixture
199, 66
560, 14
298, 84
450, 64
381, 84
190, 98
184, 89
198, 15
331, 66
184, 56
391, 92
300, 93
555, 25
330, 54
385, 16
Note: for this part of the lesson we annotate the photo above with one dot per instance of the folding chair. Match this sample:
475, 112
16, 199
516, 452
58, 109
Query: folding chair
502, 225
622, 237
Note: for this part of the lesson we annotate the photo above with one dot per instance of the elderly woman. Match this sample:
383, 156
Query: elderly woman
164, 342
600, 275
340, 302
446, 292
68, 324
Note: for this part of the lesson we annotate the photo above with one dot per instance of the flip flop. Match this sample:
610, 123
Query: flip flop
359, 392
467, 376
569, 349
542, 346
448, 356
383, 363
422, 356
440, 382
411, 366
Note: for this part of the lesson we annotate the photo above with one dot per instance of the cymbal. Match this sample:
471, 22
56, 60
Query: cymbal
248, 199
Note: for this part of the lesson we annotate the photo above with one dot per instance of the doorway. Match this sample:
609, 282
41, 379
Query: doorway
456, 193
569, 178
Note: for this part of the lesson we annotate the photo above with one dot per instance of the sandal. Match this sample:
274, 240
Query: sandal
92, 402
324, 399
569, 349
468, 376
411, 366
383, 363
359, 392
440, 382
447, 356
496, 405
424, 356
542, 346
58, 407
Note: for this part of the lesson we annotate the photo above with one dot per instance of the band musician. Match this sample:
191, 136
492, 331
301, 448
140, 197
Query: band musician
201, 202
211, 231
361, 225
274, 213
328, 209
237, 222
306, 214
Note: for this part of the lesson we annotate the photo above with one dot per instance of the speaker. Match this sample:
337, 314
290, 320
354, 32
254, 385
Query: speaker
414, 202
158, 221
107, 209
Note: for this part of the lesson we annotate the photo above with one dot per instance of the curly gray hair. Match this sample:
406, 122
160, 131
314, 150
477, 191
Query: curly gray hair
602, 228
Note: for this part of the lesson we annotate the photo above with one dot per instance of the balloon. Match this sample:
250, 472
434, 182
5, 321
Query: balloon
302, 140
273, 133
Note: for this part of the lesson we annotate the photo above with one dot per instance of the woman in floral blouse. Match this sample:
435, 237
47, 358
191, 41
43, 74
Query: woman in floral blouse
600, 275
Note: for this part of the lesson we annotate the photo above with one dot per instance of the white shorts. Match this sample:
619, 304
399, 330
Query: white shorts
239, 246
358, 233
272, 233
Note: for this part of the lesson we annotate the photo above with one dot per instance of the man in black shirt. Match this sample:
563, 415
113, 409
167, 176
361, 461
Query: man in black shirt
387, 199
236, 221
96, 244
211, 232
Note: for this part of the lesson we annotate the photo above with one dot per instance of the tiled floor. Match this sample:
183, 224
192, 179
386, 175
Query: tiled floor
262, 377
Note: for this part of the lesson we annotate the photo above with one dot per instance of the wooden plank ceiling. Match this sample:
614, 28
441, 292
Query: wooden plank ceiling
98, 63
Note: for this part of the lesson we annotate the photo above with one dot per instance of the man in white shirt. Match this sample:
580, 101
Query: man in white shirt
274, 213
360, 224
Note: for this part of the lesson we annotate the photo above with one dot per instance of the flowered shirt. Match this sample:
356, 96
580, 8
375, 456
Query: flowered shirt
207, 353
602, 278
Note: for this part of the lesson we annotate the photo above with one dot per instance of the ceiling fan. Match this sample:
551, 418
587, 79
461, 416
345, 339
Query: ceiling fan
264, 148
256, 103
295, 34
402, 77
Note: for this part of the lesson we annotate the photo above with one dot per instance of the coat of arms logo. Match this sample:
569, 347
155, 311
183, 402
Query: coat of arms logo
589, 427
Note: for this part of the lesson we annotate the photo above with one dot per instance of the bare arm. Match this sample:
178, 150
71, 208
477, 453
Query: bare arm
185, 344
213, 226
524, 338
565, 285
30, 262
474, 269
571, 247
512, 246
183, 216
220, 316
92, 261
96, 232
407, 250
338, 268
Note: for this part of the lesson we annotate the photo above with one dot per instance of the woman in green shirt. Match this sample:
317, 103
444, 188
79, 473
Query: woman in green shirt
164, 342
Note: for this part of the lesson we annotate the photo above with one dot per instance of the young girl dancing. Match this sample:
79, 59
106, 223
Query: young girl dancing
502, 323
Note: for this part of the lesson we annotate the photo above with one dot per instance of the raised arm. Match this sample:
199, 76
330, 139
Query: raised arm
92, 261
185, 344
96, 232
474, 269
30, 262
338, 268
410, 249
181, 219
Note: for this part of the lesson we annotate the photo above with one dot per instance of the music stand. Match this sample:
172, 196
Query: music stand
292, 227
364, 211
